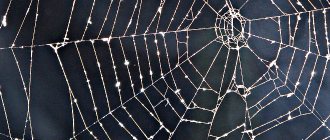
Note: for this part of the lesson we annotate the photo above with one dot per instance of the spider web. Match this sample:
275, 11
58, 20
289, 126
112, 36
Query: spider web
167, 70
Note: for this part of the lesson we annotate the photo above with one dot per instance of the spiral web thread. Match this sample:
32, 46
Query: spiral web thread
231, 37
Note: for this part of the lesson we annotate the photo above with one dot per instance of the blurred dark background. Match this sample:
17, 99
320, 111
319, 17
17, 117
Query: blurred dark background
179, 58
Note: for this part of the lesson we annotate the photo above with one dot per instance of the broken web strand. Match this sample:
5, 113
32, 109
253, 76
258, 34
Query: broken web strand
4, 17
